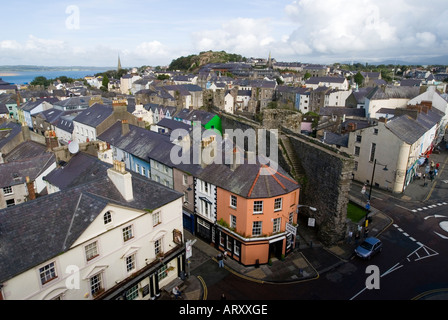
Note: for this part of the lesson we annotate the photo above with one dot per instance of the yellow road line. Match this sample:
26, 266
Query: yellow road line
204, 296
421, 295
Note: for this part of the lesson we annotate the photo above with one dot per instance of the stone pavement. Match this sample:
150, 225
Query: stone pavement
310, 259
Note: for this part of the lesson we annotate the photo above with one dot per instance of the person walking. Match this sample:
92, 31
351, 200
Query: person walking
357, 235
349, 238
424, 180
220, 259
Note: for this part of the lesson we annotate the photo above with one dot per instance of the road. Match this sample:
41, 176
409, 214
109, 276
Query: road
412, 264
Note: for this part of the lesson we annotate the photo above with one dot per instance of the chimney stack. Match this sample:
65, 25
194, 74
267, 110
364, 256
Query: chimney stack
30, 187
121, 179
124, 127
236, 159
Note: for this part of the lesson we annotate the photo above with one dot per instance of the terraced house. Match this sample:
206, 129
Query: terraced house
108, 234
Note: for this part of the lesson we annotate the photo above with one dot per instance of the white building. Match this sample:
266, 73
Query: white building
399, 143
118, 236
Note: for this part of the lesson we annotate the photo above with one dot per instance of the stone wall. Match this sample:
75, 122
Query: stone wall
326, 185
325, 175
275, 118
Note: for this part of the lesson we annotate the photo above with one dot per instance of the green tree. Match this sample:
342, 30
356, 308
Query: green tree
359, 79
105, 83
40, 81
65, 79
307, 76
163, 77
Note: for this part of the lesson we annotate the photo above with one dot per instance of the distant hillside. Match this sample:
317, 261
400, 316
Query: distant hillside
33, 68
194, 62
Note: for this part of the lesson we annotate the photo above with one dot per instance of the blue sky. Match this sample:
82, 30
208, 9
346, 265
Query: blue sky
153, 32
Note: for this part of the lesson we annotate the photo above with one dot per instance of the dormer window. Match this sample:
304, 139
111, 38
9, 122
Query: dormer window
107, 217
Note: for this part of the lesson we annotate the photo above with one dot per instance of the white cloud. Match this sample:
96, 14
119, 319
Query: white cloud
246, 36
366, 28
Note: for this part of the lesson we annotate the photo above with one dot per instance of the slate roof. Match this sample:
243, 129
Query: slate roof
332, 138
393, 93
195, 115
50, 115
247, 182
94, 115
408, 129
351, 112
317, 80
14, 173
65, 123
173, 124
25, 150
8, 130
3, 109
30, 105
74, 102
361, 94
142, 143
39, 230
82, 168
410, 83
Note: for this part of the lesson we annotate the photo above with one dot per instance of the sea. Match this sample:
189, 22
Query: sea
21, 77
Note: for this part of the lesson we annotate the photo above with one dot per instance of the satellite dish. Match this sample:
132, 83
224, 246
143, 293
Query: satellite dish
73, 147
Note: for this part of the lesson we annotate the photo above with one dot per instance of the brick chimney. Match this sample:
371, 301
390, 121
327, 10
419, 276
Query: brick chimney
30, 187
121, 179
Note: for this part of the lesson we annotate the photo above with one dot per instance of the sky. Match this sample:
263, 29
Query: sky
153, 32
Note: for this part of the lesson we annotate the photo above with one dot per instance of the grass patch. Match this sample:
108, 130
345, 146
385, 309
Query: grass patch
355, 212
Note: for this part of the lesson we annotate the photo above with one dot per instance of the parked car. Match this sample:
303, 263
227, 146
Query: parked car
369, 247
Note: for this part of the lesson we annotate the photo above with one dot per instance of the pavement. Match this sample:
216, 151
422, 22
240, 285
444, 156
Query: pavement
310, 259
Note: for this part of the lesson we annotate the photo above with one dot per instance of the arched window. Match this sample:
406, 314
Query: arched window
107, 217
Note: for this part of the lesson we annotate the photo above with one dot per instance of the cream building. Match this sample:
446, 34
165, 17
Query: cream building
117, 236
397, 144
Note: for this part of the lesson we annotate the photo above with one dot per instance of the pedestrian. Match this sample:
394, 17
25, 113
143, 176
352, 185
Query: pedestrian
432, 164
349, 238
366, 232
220, 259
177, 293
357, 237
424, 180
431, 175
437, 165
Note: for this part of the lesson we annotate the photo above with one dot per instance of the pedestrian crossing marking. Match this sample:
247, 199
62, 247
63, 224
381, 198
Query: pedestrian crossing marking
432, 206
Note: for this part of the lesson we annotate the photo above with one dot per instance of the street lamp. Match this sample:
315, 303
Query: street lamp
311, 208
373, 175
371, 186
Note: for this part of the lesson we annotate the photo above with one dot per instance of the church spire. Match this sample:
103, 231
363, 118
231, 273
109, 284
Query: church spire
119, 64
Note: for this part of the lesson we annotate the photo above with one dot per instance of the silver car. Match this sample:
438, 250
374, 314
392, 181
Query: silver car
369, 247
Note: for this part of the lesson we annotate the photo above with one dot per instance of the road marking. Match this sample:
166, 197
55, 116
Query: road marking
427, 252
441, 235
432, 206
403, 207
